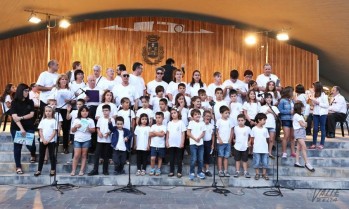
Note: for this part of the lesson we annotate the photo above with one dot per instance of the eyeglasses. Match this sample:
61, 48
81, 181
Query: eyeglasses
159, 73
26, 90
125, 75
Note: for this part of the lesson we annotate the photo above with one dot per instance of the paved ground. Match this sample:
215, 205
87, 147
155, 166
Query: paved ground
168, 197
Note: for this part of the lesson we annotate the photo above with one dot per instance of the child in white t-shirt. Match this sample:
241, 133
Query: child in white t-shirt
299, 126
164, 109
196, 104
205, 105
175, 141
259, 136
155, 100
125, 112
141, 143
145, 109
208, 145
219, 102
235, 107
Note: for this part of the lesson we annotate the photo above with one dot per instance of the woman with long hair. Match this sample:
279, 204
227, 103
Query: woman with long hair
196, 84
7, 97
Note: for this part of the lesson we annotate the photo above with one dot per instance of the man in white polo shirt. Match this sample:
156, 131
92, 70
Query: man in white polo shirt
233, 83
136, 80
125, 89
267, 76
336, 112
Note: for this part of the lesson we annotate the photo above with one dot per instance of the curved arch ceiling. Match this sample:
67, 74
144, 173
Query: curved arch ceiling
320, 26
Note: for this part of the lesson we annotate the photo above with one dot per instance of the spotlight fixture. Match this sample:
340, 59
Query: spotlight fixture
64, 23
251, 39
34, 19
282, 36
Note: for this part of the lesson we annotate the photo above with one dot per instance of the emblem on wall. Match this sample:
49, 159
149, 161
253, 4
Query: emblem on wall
153, 53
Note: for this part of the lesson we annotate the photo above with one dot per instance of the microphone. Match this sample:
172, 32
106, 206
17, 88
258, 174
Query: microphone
82, 90
260, 94
212, 103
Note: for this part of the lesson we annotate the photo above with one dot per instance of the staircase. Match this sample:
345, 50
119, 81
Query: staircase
331, 165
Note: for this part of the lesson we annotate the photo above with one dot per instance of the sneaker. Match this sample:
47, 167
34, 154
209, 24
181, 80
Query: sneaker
142, 172
293, 155
237, 174
70, 162
247, 175
201, 175
138, 173
152, 172
127, 162
208, 173
297, 165
226, 174
284, 155
309, 167
220, 174
191, 176
158, 172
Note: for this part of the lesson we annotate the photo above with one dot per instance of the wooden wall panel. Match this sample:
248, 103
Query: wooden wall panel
24, 57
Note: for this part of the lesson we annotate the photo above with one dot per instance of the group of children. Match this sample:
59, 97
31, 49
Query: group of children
250, 127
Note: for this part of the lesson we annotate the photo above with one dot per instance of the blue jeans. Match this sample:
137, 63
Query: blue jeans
17, 148
322, 120
197, 154
260, 160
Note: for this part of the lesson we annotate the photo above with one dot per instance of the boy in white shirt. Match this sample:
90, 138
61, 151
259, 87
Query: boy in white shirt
242, 141
182, 89
155, 100
164, 110
145, 109
208, 145
204, 102
259, 136
103, 141
235, 107
157, 143
219, 102
224, 136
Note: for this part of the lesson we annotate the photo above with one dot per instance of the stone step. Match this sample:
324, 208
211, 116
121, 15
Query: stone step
283, 170
297, 182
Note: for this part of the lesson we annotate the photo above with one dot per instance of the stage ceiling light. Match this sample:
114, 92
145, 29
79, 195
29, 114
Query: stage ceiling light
251, 39
283, 36
34, 19
64, 23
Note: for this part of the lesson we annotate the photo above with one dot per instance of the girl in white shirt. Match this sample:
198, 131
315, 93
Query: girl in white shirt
107, 98
141, 143
195, 84
175, 141
7, 96
47, 131
182, 106
251, 108
271, 88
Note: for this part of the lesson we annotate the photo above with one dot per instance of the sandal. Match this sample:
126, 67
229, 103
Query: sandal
19, 171
52, 172
272, 157
142, 172
37, 173
170, 175
257, 176
81, 173
32, 159
312, 146
265, 176
320, 147
72, 173
179, 175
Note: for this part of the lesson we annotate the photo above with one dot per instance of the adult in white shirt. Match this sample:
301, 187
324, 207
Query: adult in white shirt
97, 69
336, 112
119, 69
76, 66
78, 83
34, 95
46, 82
172, 88
195, 84
125, 89
263, 79
217, 76
157, 82
234, 83
248, 75
109, 81
136, 80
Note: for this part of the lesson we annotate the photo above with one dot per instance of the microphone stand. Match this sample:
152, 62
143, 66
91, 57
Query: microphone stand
216, 188
55, 183
129, 188
277, 186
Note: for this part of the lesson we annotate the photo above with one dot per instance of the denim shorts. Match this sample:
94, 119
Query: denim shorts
271, 130
157, 152
287, 123
85, 144
260, 160
224, 150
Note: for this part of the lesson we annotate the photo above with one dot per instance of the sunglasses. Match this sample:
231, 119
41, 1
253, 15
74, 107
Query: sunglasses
125, 75
159, 73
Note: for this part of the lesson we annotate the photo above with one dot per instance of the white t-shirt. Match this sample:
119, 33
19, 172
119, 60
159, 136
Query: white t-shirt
224, 128
197, 128
155, 103
126, 115
172, 88
35, 97
158, 141
275, 99
218, 105
184, 113
100, 83
142, 134
242, 134
48, 127
235, 110
74, 115
113, 110
252, 109
262, 80
270, 122
147, 111
7, 99
295, 122
138, 83
109, 84
118, 79
238, 85
60, 95
175, 130
120, 91
82, 134
76, 87
121, 142
212, 88
153, 84
260, 139
208, 132
166, 117
46, 79
102, 124
193, 90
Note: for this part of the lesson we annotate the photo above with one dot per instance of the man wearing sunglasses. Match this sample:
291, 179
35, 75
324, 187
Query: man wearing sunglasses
125, 89
157, 82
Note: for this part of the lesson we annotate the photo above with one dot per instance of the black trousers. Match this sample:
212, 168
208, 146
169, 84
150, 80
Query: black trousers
102, 149
175, 155
92, 115
65, 128
309, 123
142, 159
119, 158
332, 119
51, 151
